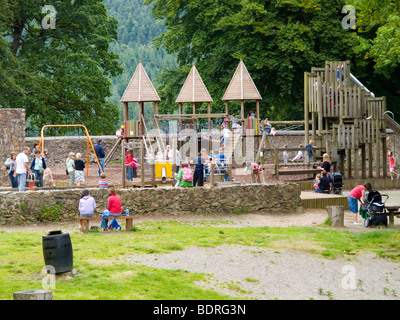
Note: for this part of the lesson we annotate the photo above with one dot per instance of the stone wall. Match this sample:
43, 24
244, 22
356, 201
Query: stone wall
12, 136
59, 147
27, 207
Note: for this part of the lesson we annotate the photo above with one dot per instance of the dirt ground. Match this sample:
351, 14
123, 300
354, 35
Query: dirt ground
261, 273
114, 175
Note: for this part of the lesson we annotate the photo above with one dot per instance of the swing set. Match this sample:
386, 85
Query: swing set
89, 141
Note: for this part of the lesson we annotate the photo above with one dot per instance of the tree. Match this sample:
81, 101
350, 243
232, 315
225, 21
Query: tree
64, 72
278, 41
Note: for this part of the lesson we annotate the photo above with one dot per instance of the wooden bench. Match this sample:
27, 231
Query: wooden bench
84, 221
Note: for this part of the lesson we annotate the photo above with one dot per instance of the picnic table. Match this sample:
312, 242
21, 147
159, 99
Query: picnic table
392, 210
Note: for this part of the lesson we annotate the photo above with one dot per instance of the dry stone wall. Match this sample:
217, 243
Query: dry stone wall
12, 136
33, 206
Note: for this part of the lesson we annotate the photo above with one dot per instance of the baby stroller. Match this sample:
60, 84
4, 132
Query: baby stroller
375, 209
336, 182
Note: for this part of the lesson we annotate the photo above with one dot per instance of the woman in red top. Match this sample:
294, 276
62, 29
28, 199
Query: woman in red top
114, 203
355, 195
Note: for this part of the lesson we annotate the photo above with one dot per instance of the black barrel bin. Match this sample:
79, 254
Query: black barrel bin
57, 251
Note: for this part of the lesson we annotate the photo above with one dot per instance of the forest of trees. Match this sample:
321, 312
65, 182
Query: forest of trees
77, 72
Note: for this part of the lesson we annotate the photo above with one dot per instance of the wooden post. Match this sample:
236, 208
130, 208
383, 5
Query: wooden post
180, 109
126, 113
142, 163
155, 108
377, 150
258, 110
384, 155
356, 159
342, 153
212, 178
363, 162
336, 215
348, 160
306, 118
370, 161
276, 161
242, 111
123, 163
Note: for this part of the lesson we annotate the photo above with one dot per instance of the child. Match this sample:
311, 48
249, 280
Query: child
299, 154
285, 156
317, 177
392, 164
48, 178
131, 165
310, 153
103, 182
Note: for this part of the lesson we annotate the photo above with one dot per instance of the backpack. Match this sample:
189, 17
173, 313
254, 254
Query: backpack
187, 175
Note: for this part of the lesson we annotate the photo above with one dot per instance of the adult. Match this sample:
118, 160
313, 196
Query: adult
181, 182
170, 154
198, 178
10, 165
326, 164
324, 183
79, 166
101, 155
114, 208
87, 205
355, 195
22, 168
38, 166
70, 163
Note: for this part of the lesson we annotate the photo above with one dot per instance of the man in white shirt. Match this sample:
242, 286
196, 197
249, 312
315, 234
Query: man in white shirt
21, 168
170, 154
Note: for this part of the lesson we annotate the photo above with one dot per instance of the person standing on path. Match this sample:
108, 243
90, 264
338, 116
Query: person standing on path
10, 165
98, 148
198, 178
70, 162
22, 168
355, 195
38, 166
392, 164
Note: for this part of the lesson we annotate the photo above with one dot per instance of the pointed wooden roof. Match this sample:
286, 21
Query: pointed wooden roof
241, 86
193, 89
140, 88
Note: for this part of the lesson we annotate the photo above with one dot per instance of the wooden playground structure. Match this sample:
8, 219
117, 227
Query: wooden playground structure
341, 116
346, 119
140, 90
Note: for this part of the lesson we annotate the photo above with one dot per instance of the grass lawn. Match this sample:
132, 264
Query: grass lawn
103, 272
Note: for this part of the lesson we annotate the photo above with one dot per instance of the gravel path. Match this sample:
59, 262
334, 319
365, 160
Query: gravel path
258, 273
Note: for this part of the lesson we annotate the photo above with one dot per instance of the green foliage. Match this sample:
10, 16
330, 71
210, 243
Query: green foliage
136, 29
52, 213
60, 75
278, 41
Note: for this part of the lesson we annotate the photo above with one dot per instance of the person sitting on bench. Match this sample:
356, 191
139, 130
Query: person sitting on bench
113, 208
324, 183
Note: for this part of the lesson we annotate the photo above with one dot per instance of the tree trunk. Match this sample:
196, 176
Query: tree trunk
336, 215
